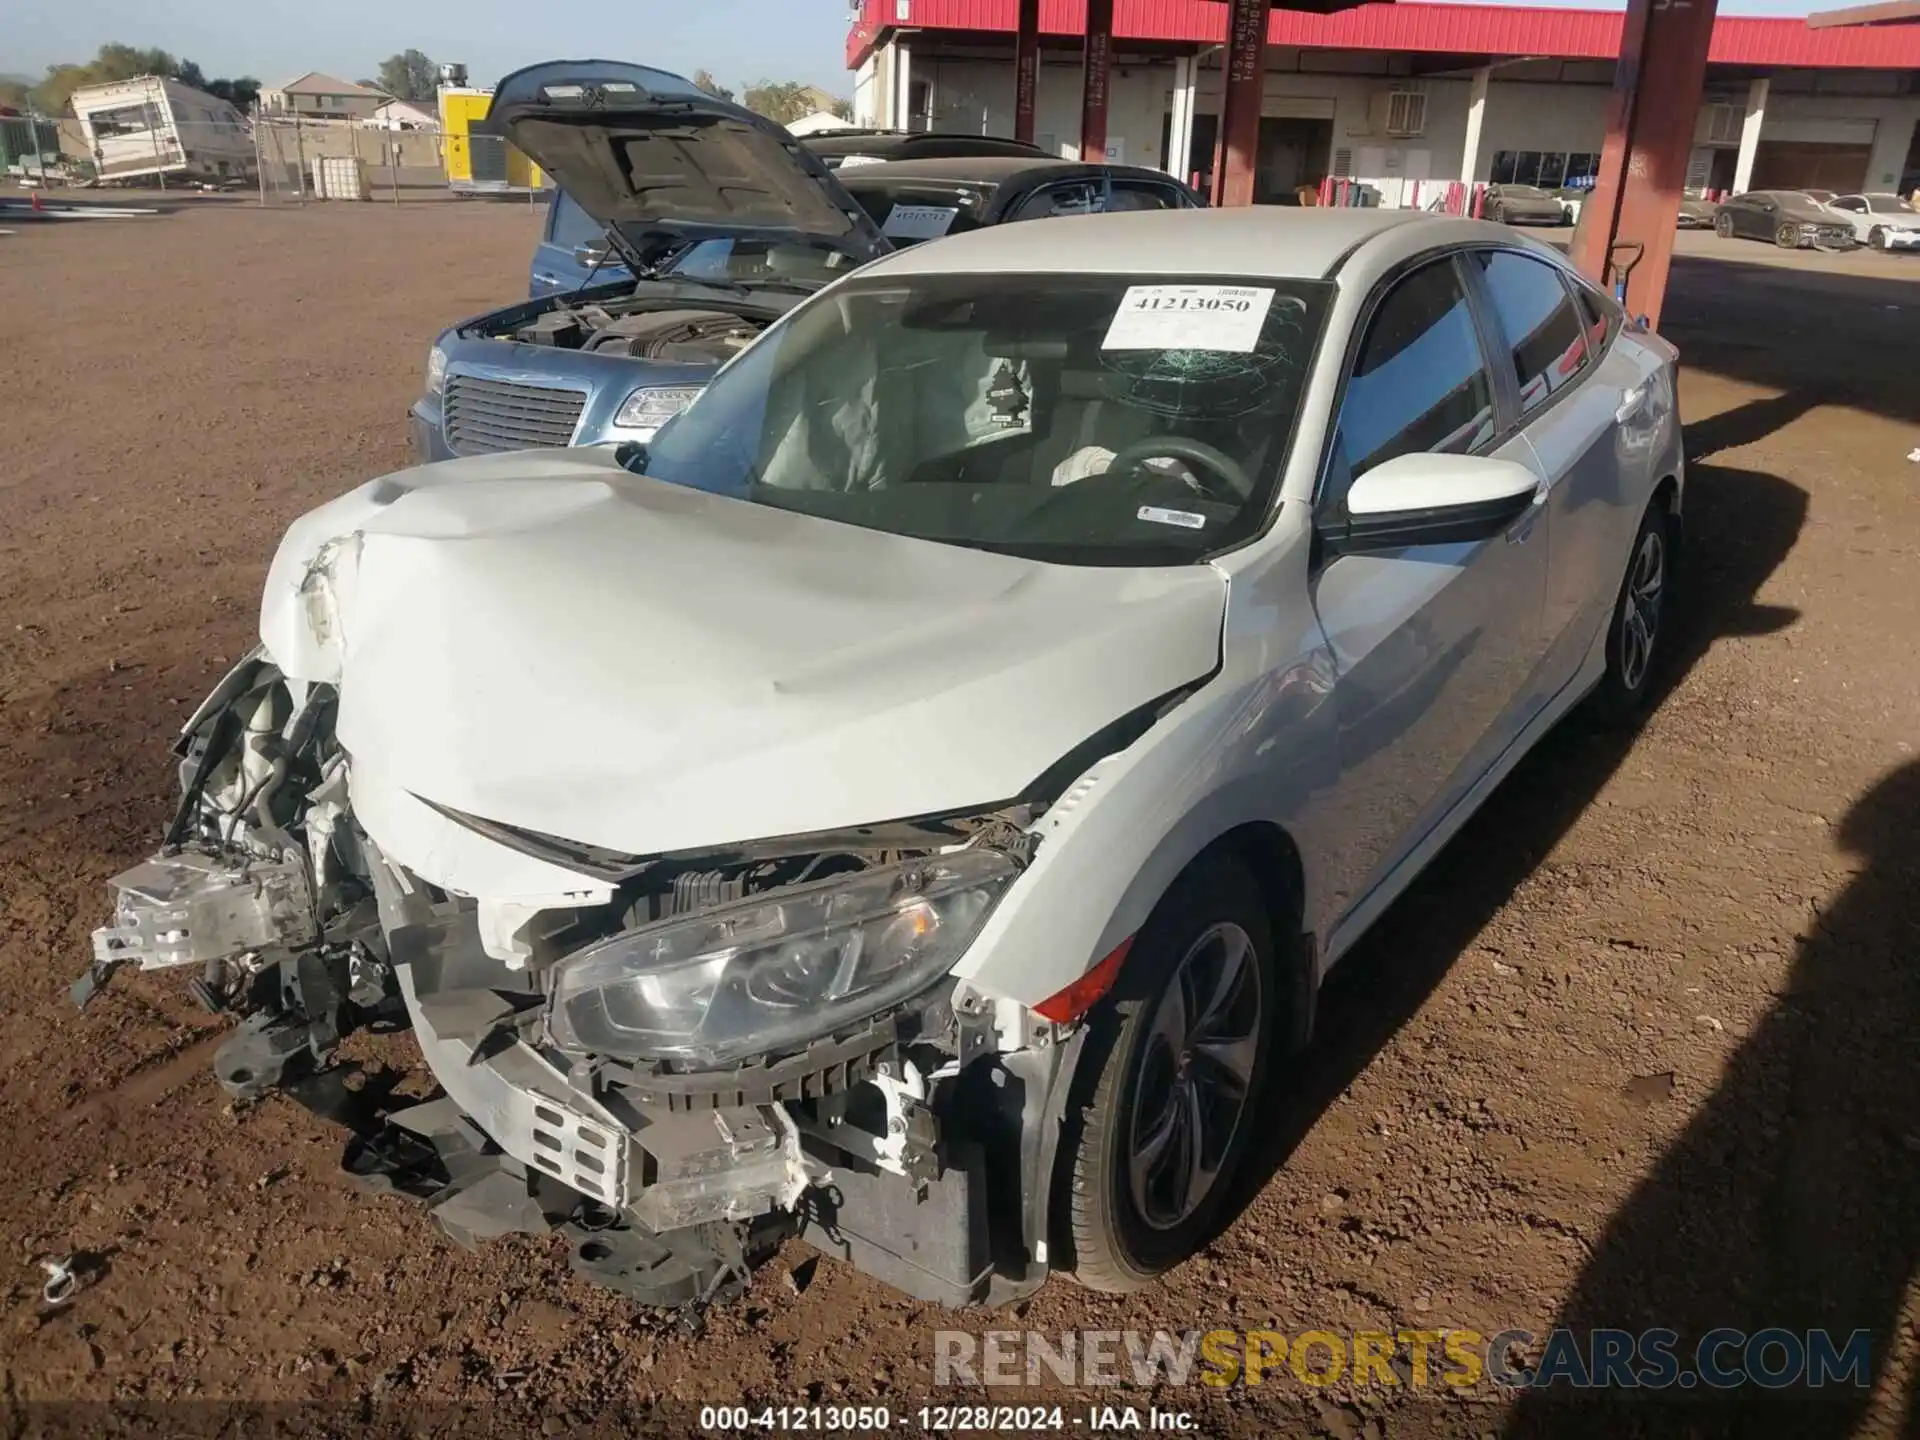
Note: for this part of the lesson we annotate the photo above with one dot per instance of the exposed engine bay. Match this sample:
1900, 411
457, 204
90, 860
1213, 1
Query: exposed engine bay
641, 330
906, 1129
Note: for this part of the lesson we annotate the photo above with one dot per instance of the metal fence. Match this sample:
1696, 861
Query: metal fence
281, 159
293, 157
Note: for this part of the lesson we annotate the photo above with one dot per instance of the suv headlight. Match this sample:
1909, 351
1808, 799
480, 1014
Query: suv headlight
436, 370
651, 408
768, 973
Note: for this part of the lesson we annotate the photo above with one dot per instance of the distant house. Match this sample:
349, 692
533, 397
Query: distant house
316, 96
818, 100
817, 122
402, 115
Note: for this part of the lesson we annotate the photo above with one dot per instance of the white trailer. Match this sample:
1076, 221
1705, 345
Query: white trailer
156, 127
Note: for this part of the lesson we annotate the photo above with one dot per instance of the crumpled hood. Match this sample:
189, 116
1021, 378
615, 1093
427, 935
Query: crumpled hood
545, 640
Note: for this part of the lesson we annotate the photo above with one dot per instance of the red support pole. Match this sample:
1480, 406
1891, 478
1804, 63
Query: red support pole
1026, 69
1097, 63
1636, 195
1237, 159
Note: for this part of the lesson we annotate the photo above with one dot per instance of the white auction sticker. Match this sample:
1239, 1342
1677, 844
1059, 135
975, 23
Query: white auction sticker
918, 222
1160, 515
1189, 317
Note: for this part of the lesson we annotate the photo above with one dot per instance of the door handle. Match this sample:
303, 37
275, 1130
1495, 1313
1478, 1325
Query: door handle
1630, 404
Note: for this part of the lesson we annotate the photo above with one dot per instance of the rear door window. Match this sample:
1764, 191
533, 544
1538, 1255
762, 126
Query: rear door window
1143, 195
1545, 333
1074, 197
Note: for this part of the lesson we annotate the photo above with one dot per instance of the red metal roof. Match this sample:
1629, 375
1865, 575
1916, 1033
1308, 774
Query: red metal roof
1503, 30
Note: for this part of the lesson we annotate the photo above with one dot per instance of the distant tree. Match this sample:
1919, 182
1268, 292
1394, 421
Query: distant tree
841, 109
704, 79
780, 100
241, 93
54, 94
113, 62
14, 92
410, 75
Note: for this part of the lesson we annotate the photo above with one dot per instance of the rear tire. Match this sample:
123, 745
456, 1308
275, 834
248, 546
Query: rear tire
1166, 1090
1723, 226
1640, 618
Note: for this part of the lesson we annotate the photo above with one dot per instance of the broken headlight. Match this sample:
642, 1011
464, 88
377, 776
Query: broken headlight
774, 972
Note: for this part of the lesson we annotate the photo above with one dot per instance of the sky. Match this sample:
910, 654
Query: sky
740, 41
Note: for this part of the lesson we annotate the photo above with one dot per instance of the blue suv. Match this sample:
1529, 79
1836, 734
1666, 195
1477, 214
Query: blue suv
715, 223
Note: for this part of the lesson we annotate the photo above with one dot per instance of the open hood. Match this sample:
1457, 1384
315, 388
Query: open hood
544, 640
663, 164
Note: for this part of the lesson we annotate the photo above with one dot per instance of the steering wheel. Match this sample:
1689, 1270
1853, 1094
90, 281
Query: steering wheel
1216, 462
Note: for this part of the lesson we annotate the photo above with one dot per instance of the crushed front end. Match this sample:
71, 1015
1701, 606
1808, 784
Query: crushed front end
673, 1061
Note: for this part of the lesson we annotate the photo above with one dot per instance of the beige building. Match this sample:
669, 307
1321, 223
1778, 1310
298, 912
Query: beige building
316, 96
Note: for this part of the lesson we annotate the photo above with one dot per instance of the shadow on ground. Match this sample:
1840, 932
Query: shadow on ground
1793, 1199
1821, 336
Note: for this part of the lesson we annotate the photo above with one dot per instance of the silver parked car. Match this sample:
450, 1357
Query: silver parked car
915, 800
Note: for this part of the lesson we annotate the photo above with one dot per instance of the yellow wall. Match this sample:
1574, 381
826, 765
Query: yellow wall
459, 109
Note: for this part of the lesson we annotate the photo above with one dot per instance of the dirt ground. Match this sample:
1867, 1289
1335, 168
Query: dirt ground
1643, 1050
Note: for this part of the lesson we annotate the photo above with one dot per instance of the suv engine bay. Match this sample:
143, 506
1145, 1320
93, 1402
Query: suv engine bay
642, 331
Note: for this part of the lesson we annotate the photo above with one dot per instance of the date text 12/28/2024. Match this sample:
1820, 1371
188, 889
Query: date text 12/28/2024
941, 1419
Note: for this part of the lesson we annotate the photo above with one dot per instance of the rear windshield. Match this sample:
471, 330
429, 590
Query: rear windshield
909, 212
1104, 419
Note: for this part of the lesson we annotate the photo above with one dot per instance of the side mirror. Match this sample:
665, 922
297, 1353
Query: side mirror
1429, 499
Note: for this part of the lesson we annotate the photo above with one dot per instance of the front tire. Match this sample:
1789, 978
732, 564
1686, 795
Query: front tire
1787, 237
1176, 1059
1877, 237
1640, 614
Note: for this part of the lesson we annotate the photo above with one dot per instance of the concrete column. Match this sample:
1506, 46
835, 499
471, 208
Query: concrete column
1652, 113
1235, 170
1476, 121
902, 86
1186, 86
1892, 138
1750, 134
1026, 68
1096, 82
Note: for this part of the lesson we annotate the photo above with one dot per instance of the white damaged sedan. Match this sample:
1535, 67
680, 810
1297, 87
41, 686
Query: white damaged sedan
915, 802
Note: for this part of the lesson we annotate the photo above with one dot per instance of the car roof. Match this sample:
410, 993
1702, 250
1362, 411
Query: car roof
987, 169
1260, 241
906, 142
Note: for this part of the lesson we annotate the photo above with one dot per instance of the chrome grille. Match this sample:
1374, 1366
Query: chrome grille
486, 416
